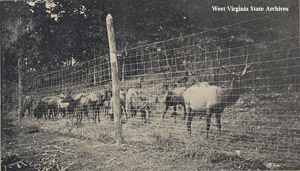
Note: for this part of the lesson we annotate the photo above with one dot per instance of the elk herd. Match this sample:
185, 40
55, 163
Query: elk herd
198, 99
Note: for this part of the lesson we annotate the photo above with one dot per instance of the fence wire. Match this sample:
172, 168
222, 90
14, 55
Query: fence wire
264, 121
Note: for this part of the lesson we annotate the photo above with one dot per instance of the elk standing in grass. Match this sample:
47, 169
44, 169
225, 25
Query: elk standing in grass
27, 105
51, 105
87, 103
66, 106
213, 99
136, 102
172, 99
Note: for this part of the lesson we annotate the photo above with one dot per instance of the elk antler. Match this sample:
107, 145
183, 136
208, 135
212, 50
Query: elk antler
244, 72
226, 69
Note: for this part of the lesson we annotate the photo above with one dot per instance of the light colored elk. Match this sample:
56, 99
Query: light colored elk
209, 99
135, 103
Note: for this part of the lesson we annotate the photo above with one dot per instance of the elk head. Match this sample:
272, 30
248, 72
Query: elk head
235, 85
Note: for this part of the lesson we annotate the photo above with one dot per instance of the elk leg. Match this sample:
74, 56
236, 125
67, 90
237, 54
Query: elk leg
97, 113
45, 114
80, 116
133, 111
208, 120
218, 117
49, 113
184, 112
22, 112
167, 106
143, 115
123, 111
174, 113
98, 116
94, 116
189, 121
65, 111
87, 115
105, 110
74, 113
29, 112
54, 113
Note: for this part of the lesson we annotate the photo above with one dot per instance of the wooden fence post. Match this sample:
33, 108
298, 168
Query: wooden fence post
20, 89
115, 79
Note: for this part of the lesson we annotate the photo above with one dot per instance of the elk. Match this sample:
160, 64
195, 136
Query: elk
66, 106
87, 103
209, 99
27, 105
135, 103
173, 98
51, 104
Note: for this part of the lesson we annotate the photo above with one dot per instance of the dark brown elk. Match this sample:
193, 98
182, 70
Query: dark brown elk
172, 99
40, 109
27, 105
66, 106
100, 105
209, 99
86, 103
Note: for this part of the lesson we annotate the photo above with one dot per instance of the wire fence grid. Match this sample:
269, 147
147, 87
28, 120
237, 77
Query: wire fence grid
264, 122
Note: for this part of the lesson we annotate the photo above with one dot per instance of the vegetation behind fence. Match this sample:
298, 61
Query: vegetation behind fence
263, 123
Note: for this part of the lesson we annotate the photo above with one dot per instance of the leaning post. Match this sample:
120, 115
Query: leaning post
115, 79
20, 90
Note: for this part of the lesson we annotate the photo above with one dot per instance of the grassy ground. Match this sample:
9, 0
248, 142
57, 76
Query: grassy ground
259, 136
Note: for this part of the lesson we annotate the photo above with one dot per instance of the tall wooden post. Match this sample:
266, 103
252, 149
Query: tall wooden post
20, 89
115, 79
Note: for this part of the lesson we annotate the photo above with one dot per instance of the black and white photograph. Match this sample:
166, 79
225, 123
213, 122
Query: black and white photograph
136, 85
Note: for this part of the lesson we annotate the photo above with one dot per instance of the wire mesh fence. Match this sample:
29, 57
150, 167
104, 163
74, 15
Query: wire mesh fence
252, 85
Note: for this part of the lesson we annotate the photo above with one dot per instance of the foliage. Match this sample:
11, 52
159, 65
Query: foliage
46, 34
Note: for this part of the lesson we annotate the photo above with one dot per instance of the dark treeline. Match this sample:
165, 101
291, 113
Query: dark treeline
45, 34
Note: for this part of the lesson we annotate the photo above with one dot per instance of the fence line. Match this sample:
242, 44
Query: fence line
263, 123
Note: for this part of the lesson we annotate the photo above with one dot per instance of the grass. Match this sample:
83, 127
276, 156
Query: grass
256, 137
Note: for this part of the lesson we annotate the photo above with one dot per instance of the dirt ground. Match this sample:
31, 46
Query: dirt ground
28, 147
